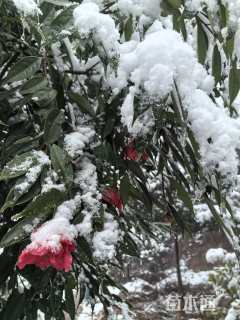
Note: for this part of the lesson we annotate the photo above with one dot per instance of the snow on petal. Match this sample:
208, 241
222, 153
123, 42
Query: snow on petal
52, 243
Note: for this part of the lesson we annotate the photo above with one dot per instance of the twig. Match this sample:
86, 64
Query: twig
179, 277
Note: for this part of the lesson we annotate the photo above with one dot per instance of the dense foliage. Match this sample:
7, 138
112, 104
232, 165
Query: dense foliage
111, 124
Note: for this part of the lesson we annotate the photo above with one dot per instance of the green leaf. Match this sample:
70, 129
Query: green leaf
15, 306
125, 188
223, 12
16, 167
128, 28
229, 47
22, 187
45, 96
44, 203
175, 4
22, 229
36, 212
234, 82
22, 145
33, 85
19, 165
178, 218
216, 215
69, 297
134, 167
183, 194
216, 64
61, 3
109, 126
84, 249
146, 197
3, 124
183, 28
82, 103
61, 164
202, 42
53, 126
24, 69
32, 193
63, 18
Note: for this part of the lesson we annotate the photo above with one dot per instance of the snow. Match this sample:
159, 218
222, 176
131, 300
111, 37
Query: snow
104, 241
203, 213
230, 258
210, 121
160, 81
158, 64
86, 179
91, 22
33, 165
219, 255
27, 7
194, 5
234, 12
88, 314
237, 44
34, 171
232, 314
136, 286
99, 3
215, 255
51, 232
233, 7
165, 51
127, 110
212, 5
75, 142
137, 8
153, 65
40, 315
50, 183
73, 59
189, 277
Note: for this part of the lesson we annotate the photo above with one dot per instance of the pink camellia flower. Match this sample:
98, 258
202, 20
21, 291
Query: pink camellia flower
42, 256
112, 196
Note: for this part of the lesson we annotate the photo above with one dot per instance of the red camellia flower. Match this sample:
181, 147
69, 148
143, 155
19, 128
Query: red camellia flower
112, 196
59, 258
144, 156
131, 153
